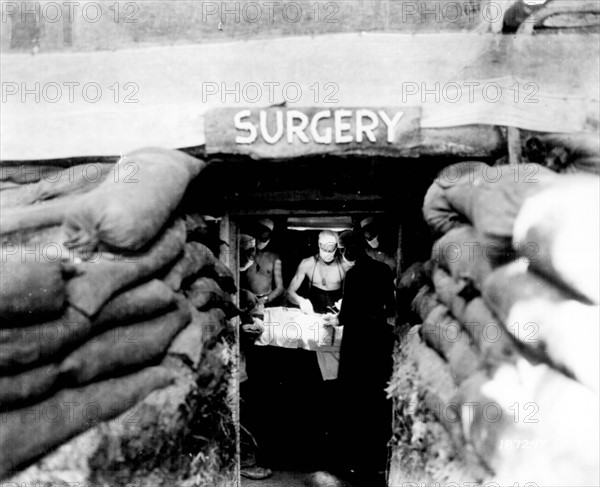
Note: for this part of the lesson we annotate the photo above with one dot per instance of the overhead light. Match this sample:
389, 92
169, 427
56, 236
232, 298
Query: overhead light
334, 223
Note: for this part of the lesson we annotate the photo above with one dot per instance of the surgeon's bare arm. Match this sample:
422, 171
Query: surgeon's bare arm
301, 273
277, 276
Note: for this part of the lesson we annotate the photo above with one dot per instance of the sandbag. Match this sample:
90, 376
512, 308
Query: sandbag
199, 260
18, 195
46, 243
44, 214
106, 274
583, 150
486, 333
144, 301
468, 256
522, 423
197, 228
205, 293
6, 185
548, 321
30, 289
492, 203
27, 387
74, 180
437, 209
123, 348
562, 224
445, 335
188, 344
25, 346
128, 211
29, 433
415, 277
512, 284
424, 302
450, 292
488, 198
28, 173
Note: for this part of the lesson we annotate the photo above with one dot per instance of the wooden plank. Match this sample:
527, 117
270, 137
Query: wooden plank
229, 254
514, 145
300, 212
303, 202
282, 132
399, 254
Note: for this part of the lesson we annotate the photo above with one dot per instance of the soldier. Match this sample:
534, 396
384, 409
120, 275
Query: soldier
325, 272
264, 277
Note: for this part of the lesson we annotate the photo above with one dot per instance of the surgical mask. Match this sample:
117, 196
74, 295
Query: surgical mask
374, 242
326, 256
247, 266
261, 245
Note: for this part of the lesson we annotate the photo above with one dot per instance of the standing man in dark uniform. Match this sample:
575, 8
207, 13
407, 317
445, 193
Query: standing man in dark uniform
367, 316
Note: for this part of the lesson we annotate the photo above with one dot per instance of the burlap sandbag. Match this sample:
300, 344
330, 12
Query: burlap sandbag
143, 301
468, 256
197, 227
583, 149
514, 283
25, 346
29, 433
450, 292
205, 293
188, 344
561, 224
424, 301
491, 204
442, 332
28, 173
26, 387
106, 274
124, 348
437, 209
46, 242
74, 180
487, 334
43, 214
535, 405
5, 185
198, 260
18, 195
30, 288
411, 280
547, 320
126, 213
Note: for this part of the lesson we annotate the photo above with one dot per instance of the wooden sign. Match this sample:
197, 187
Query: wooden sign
286, 132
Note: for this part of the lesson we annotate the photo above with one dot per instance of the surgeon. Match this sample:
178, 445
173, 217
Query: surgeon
372, 235
325, 273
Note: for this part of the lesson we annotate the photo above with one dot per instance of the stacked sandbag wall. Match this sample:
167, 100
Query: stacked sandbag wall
497, 367
116, 353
